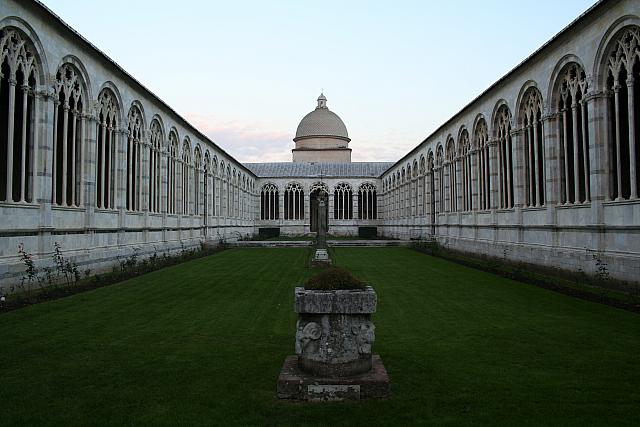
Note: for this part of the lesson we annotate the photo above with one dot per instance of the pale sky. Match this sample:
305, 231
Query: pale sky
246, 72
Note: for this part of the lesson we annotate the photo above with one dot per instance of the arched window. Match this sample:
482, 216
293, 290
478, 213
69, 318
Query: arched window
410, 192
623, 87
484, 165
68, 126
464, 148
451, 179
186, 178
134, 159
293, 202
440, 206
431, 186
401, 182
236, 193
215, 210
232, 193
172, 159
269, 202
422, 187
206, 199
392, 197
414, 189
107, 155
197, 170
367, 201
504, 147
222, 203
229, 193
574, 151
342, 201
533, 138
243, 198
17, 117
155, 165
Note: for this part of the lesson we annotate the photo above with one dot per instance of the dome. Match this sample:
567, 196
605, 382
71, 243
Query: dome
322, 122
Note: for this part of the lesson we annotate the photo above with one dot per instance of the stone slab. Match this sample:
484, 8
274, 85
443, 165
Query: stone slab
321, 255
354, 301
295, 385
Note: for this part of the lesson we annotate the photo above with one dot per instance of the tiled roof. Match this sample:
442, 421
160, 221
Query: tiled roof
326, 170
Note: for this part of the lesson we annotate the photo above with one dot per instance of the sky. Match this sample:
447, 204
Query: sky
246, 72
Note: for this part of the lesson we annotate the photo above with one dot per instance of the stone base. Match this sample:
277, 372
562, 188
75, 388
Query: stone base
294, 384
321, 257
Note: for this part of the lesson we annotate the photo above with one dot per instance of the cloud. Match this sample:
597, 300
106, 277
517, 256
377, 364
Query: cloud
246, 142
258, 142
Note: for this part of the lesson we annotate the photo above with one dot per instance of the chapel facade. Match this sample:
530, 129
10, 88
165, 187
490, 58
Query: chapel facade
542, 167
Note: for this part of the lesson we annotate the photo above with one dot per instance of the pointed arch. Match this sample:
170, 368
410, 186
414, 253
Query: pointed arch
343, 201
108, 117
172, 163
20, 71
156, 140
269, 202
186, 167
367, 201
134, 152
465, 162
530, 112
294, 201
622, 87
502, 135
481, 142
71, 105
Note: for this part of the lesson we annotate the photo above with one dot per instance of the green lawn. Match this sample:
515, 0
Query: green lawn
203, 343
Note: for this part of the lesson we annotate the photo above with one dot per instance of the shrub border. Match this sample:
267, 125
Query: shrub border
599, 288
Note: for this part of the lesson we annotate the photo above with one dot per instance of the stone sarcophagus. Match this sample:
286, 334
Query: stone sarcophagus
333, 343
334, 332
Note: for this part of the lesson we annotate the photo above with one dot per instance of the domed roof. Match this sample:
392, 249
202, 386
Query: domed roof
322, 122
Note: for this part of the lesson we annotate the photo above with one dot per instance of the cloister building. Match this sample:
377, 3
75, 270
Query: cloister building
542, 167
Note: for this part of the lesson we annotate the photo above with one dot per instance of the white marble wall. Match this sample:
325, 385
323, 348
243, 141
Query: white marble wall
554, 234
96, 237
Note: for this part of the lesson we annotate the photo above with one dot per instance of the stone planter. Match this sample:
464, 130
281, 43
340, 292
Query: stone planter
334, 333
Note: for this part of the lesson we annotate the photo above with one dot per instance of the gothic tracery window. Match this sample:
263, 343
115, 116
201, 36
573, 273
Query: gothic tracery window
484, 165
68, 128
430, 192
451, 160
342, 201
392, 197
406, 191
464, 149
206, 190
269, 202
134, 160
215, 209
172, 161
440, 206
229, 192
505, 157
186, 178
533, 148
574, 138
197, 190
623, 88
155, 165
367, 201
293, 201
17, 117
107, 153
422, 187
